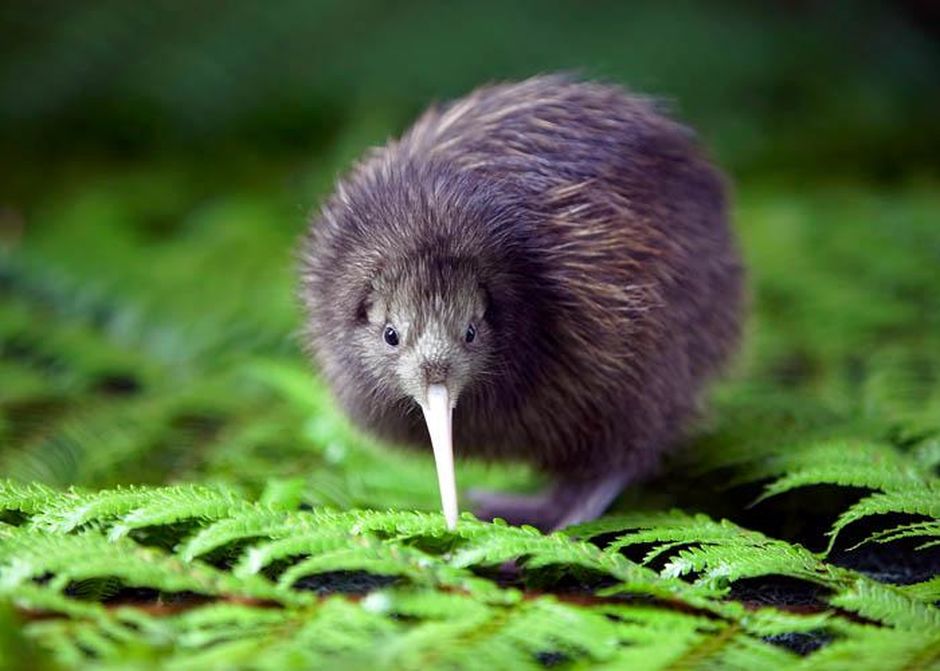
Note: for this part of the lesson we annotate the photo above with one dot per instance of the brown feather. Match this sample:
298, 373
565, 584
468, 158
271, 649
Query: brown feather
597, 229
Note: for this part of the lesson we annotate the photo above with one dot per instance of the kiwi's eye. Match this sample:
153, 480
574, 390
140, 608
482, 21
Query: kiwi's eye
391, 336
471, 333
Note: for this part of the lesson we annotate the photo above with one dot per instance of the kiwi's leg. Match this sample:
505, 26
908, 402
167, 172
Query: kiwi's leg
562, 504
582, 501
514, 508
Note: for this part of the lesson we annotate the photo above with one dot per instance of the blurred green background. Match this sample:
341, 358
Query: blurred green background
160, 159
793, 86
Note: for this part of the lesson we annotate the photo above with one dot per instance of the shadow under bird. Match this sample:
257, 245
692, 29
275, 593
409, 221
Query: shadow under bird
543, 269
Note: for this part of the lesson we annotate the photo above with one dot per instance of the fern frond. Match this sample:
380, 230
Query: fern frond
765, 622
721, 552
732, 649
174, 504
30, 555
29, 498
315, 544
914, 530
928, 591
372, 557
888, 604
849, 464
721, 565
31, 597
511, 543
249, 524
72, 510
496, 637
676, 528
878, 649
914, 500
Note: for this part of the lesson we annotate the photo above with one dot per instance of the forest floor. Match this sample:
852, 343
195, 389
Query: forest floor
181, 492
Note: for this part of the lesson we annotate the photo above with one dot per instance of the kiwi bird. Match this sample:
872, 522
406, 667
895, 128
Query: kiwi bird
539, 271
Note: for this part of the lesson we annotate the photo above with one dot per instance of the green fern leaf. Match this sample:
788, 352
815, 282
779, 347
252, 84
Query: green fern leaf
29, 498
174, 504
878, 649
28, 555
249, 524
915, 500
914, 530
888, 604
928, 591
849, 464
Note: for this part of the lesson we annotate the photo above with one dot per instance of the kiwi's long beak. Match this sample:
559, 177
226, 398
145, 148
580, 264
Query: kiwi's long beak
437, 414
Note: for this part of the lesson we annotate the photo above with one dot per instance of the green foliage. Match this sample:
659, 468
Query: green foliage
916, 501
757, 78
436, 609
181, 492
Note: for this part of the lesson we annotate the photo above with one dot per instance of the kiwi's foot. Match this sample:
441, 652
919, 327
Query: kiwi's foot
558, 506
534, 509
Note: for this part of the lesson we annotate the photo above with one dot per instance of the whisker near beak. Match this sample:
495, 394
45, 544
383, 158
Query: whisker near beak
438, 417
